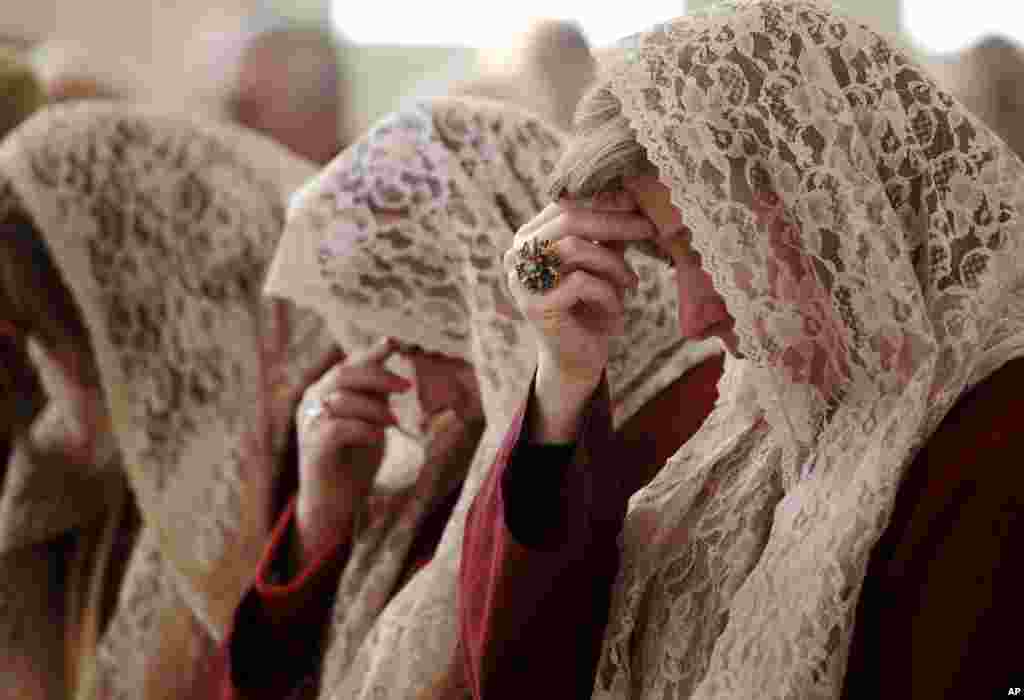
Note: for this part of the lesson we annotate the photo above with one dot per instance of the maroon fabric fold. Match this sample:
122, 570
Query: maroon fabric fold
941, 612
273, 648
941, 604
273, 651
529, 613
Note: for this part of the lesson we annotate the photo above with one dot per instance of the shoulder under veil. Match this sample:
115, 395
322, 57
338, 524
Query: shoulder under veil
865, 231
163, 228
403, 235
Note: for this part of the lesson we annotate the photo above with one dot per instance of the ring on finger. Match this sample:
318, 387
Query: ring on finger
537, 265
312, 411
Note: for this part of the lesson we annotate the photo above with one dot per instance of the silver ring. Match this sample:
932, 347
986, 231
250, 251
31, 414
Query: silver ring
311, 411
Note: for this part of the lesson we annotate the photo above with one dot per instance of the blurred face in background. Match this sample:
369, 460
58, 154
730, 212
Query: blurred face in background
288, 89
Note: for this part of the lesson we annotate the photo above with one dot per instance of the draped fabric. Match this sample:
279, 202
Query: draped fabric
403, 235
162, 229
865, 232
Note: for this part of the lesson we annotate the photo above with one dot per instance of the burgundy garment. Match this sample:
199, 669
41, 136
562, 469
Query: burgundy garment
940, 615
539, 611
273, 651
273, 648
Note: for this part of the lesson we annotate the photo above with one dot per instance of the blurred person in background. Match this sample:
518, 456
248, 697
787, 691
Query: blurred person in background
556, 55
289, 86
137, 495
548, 69
988, 78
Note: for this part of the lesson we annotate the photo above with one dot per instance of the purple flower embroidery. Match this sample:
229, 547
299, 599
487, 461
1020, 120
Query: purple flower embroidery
344, 199
488, 150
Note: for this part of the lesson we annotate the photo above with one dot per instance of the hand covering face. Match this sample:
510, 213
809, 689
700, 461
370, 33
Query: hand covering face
865, 232
403, 235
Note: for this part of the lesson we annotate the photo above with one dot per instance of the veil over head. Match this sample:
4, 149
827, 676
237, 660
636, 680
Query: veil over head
162, 229
403, 235
865, 231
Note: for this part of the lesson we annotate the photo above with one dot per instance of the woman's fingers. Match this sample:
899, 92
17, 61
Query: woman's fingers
601, 226
595, 293
580, 254
350, 405
350, 432
613, 200
546, 214
368, 378
333, 357
376, 354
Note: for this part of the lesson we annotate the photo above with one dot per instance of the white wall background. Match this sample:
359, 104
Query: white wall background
168, 50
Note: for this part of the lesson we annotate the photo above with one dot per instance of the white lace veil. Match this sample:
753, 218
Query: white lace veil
866, 233
403, 235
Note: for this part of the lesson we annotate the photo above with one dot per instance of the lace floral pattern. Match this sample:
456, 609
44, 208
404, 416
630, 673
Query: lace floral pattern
163, 229
404, 235
865, 232
155, 643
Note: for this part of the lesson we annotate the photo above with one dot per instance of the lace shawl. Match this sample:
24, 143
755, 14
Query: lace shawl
865, 232
403, 235
163, 228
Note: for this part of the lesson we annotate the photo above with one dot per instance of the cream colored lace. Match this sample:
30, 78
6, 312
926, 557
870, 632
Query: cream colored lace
866, 233
163, 229
404, 235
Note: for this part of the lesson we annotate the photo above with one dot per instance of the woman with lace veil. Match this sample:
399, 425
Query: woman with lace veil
402, 237
137, 490
547, 70
845, 519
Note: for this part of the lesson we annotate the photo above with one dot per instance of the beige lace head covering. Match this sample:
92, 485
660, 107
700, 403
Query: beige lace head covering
403, 235
865, 231
162, 229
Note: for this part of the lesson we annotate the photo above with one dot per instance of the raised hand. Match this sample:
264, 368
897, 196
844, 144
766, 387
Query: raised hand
583, 308
341, 426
